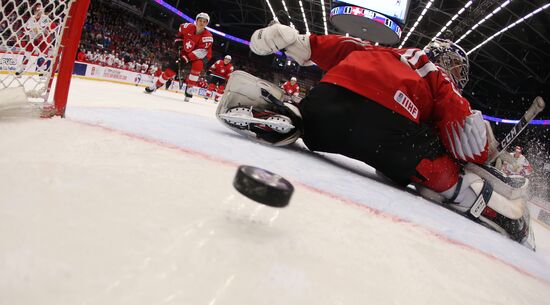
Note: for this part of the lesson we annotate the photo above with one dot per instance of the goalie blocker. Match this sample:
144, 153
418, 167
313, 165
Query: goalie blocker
254, 108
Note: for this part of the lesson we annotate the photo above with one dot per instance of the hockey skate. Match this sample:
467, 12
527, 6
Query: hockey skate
187, 97
150, 89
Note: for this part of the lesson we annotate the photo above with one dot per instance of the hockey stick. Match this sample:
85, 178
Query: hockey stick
536, 107
179, 69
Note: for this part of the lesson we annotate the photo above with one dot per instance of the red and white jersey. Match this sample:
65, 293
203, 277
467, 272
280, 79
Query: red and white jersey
39, 29
89, 56
520, 167
291, 89
153, 69
202, 83
219, 68
402, 80
144, 68
195, 46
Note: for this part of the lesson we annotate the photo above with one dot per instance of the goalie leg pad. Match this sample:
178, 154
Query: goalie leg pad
272, 121
511, 187
476, 198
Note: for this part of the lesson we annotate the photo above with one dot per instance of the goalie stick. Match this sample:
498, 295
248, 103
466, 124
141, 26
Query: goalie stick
536, 107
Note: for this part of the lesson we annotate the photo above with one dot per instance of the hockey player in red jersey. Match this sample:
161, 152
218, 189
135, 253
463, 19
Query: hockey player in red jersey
202, 83
399, 110
196, 45
292, 89
219, 74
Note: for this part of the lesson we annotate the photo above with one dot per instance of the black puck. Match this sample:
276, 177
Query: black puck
263, 186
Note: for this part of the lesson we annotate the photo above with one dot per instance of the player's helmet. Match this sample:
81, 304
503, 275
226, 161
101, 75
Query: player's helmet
203, 16
451, 58
293, 79
518, 149
227, 57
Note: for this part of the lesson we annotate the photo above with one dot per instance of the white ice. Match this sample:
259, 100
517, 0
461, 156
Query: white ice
128, 200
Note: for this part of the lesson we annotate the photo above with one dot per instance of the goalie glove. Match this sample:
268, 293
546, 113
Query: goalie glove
468, 141
278, 37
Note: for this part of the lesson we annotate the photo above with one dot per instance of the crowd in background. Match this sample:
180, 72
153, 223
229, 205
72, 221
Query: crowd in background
112, 38
118, 38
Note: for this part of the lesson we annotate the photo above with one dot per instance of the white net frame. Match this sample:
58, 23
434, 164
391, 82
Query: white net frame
30, 40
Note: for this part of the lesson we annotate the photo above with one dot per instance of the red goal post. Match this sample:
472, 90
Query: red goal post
37, 39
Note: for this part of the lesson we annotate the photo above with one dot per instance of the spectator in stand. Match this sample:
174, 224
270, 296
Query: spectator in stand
89, 56
81, 53
519, 165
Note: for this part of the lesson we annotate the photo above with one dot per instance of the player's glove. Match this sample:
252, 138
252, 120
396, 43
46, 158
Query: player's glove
276, 37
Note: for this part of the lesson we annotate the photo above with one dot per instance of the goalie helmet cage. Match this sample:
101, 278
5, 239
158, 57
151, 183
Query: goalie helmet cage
38, 39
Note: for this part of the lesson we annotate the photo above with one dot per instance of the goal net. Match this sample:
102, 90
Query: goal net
38, 38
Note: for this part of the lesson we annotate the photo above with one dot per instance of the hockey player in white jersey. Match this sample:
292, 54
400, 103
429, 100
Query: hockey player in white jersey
36, 41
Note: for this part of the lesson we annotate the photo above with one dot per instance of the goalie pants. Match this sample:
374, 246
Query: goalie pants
337, 120
216, 81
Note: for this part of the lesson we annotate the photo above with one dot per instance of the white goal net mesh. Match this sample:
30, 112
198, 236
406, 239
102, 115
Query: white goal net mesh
30, 37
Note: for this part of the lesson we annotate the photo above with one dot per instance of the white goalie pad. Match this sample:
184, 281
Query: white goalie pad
511, 187
254, 108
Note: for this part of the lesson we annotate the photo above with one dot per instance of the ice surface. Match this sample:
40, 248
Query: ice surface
129, 201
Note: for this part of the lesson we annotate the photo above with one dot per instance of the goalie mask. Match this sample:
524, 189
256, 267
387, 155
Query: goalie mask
254, 108
451, 58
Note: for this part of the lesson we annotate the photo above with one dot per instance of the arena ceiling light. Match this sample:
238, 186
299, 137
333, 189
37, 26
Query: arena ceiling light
416, 23
496, 10
304, 16
520, 20
452, 19
272, 11
288, 14
324, 16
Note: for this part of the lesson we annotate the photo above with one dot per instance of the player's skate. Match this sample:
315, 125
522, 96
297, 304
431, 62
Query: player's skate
253, 107
189, 92
475, 198
151, 89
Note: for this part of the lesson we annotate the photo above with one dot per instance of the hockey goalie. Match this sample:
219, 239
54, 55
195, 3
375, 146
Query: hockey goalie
398, 110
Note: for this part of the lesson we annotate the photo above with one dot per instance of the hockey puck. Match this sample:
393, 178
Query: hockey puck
263, 186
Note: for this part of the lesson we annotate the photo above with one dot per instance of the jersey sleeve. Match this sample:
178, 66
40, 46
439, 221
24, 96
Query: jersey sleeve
213, 67
184, 28
328, 50
449, 109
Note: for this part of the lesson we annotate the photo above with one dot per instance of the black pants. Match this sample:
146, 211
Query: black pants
216, 80
337, 120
